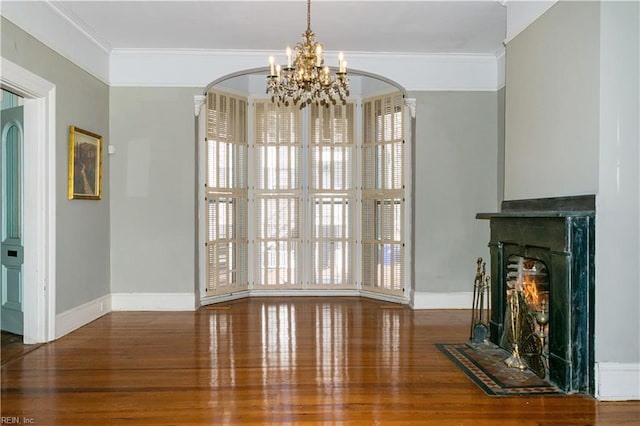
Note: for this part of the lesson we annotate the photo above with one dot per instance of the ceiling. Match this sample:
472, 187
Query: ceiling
420, 27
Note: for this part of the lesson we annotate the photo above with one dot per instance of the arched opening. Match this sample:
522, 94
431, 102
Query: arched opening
305, 201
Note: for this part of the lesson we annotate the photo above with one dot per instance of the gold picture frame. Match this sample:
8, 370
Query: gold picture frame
85, 165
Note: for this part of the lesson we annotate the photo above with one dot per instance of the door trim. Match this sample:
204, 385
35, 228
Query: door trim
39, 238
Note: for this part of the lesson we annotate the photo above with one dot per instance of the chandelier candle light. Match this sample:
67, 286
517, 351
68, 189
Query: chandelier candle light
306, 79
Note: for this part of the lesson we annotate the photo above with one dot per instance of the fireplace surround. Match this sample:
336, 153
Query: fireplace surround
559, 232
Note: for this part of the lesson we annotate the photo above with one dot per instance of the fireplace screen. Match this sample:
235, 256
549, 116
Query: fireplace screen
526, 328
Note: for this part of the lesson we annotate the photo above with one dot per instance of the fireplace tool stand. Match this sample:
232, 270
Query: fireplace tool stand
480, 309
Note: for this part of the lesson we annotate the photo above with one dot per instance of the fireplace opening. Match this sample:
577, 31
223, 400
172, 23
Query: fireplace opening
527, 314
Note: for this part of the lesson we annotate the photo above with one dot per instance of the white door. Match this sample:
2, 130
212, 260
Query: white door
11, 221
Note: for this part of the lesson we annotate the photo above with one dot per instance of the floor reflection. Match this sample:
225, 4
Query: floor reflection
390, 341
332, 351
322, 342
278, 335
222, 350
273, 361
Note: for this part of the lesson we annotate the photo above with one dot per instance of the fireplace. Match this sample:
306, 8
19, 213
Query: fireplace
550, 241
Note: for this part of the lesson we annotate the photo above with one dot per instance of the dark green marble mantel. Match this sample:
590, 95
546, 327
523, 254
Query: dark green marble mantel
565, 241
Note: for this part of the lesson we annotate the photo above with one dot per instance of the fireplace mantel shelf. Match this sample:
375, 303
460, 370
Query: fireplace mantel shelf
575, 206
536, 214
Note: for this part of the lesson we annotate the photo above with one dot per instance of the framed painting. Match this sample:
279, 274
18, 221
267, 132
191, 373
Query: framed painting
85, 165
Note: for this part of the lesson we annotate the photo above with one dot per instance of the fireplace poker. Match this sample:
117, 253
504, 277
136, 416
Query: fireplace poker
479, 329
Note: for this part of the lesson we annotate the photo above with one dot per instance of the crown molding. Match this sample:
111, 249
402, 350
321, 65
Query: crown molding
51, 25
54, 26
198, 68
521, 14
80, 26
501, 66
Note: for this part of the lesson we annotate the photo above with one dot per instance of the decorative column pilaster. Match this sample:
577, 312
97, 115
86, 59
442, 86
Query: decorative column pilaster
198, 101
411, 104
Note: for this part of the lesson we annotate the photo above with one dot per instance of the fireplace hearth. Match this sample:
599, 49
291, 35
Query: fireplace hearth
555, 237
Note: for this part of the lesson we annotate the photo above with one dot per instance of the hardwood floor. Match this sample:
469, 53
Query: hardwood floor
12, 347
273, 361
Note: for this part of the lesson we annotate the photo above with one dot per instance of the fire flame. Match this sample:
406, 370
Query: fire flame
530, 291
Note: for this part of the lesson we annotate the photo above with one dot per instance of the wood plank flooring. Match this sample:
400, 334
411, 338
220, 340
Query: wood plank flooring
12, 347
273, 361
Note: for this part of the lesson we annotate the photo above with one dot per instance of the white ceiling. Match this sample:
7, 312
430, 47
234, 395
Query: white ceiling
459, 27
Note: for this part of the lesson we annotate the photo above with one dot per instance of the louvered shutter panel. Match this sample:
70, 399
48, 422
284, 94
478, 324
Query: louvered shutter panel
383, 198
226, 194
311, 215
278, 196
332, 196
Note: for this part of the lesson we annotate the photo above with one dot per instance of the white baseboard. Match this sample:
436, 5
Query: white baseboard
74, 318
209, 300
153, 301
617, 381
427, 300
385, 297
302, 293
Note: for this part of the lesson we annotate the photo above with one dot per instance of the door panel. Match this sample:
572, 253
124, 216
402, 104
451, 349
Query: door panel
11, 221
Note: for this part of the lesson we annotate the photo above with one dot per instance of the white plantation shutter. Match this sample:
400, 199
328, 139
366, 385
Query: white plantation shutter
278, 196
307, 211
226, 194
332, 196
383, 195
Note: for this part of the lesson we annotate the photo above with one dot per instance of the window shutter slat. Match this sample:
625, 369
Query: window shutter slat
227, 194
278, 196
383, 194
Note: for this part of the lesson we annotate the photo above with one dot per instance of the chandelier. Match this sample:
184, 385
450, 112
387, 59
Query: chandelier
305, 79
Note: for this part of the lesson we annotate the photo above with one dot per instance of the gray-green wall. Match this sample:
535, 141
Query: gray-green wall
153, 190
618, 200
572, 114
140, 237
82, 226
152, 182
456, 176
501, 137
552, 95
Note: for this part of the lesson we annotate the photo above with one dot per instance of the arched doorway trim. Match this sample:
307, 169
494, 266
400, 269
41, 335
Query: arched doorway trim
200, 125
265, 71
